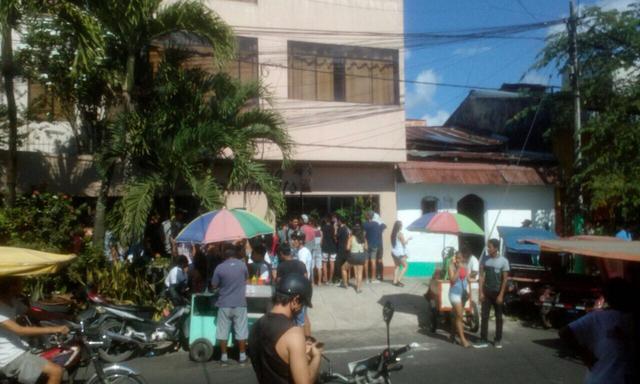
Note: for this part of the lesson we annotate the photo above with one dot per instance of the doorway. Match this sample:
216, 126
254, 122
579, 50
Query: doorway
472, 206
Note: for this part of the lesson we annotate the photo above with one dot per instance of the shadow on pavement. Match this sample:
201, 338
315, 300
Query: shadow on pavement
560, 349
408, 303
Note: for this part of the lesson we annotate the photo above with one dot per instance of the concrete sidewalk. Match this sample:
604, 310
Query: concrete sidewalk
336, 308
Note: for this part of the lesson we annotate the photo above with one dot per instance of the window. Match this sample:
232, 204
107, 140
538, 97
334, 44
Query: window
429, 204
42, 102
243, 67
341, 73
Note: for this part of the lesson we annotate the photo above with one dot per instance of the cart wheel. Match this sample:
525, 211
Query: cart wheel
201, 350
472, 319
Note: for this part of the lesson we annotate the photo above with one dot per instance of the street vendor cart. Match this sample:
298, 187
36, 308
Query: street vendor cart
437, 296
202, 335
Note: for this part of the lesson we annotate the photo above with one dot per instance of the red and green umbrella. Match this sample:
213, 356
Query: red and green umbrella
224, 225
446, 223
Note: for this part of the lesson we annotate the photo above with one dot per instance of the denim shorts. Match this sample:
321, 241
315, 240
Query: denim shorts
372, 252
299, 320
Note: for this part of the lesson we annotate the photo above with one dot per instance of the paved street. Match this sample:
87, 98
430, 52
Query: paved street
530, 355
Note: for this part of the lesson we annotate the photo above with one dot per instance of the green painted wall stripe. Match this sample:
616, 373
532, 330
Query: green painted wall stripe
421, 269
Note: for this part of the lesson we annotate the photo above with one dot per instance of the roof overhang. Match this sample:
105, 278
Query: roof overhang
437, 172
605, 249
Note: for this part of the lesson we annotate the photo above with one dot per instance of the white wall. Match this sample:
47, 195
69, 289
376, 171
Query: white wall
502, 208
325, 131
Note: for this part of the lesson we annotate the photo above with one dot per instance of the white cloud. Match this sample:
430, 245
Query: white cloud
407, 54
422, 94
471, 51
436, 119
533, 77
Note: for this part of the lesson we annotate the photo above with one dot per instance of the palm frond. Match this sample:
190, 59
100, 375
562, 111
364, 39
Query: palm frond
195, 18
207, 190
247, 171
88, 30
129, 217
260, 125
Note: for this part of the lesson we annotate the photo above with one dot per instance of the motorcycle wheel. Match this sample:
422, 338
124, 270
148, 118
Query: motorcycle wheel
117, 352
472, 320
117, 376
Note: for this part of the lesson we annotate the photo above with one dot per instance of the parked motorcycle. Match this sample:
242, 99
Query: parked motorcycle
373, 370
131, 332
79, 349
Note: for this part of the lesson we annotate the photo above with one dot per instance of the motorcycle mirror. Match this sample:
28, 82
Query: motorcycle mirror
387, 312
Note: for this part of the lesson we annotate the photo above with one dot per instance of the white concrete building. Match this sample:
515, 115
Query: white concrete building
500, 205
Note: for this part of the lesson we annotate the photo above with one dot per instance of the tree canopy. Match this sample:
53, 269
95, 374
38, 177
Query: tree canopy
609, 68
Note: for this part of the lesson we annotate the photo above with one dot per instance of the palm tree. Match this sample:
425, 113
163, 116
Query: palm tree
129, 28
189, 123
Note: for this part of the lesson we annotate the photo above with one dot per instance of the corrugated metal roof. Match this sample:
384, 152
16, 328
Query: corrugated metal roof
434, 172
450, 136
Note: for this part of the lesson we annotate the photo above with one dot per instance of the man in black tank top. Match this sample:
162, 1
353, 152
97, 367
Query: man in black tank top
278, 350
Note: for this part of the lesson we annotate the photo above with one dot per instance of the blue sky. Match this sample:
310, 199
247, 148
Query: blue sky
487, 62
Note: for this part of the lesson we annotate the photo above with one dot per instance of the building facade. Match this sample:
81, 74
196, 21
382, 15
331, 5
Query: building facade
333, 69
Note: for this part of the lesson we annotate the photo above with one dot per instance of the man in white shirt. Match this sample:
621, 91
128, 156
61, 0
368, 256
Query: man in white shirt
15, 360
176, 280
304, 254
473, 265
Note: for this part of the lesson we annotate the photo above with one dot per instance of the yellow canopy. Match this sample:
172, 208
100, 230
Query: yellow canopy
27, 262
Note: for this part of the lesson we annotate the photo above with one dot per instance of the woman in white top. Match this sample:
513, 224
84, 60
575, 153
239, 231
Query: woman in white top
399, 253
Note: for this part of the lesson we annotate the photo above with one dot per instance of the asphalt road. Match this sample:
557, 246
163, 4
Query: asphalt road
529, 355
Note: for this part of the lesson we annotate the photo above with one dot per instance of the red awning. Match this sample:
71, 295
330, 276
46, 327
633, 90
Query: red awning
437, 172
605, 249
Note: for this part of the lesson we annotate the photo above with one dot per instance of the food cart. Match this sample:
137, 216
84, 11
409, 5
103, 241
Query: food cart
202, 333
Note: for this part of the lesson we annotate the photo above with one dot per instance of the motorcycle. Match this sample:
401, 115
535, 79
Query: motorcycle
130, 332
79, 349
374, 370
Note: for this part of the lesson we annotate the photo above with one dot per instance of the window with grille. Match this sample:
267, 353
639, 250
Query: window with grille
342, 73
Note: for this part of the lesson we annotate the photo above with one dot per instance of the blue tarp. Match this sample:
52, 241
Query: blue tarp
513, 237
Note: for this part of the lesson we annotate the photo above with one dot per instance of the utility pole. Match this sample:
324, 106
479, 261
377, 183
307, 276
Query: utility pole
572, 27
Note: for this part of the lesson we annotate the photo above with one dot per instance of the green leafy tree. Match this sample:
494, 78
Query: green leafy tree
179, 139
609, 63
111, 41
131, 27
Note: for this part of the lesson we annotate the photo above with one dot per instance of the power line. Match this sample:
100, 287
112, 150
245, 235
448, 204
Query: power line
440, 84
526, 10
